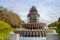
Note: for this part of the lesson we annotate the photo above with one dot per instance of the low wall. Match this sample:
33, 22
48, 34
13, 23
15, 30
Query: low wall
52, 37
14, 36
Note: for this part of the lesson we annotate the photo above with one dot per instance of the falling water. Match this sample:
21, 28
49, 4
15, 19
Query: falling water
33, 35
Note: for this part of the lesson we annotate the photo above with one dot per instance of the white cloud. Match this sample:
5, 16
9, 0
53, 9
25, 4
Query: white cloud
45, 17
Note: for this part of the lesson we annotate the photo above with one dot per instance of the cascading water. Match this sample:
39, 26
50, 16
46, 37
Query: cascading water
38, 36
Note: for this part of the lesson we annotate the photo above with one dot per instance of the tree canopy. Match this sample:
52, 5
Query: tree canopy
10, 17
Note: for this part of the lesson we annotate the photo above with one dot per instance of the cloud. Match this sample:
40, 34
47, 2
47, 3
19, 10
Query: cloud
45, 17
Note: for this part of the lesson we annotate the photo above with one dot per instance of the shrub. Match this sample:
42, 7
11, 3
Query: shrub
5, 30
58, 28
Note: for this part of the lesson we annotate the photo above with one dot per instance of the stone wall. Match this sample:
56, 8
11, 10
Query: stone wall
14, 36
52, 37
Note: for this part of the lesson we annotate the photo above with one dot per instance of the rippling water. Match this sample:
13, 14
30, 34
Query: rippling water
32, 38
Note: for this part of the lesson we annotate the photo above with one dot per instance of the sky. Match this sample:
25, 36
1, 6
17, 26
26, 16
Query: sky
49, 10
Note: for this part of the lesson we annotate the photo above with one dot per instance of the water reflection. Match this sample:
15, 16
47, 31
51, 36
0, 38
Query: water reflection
32, 38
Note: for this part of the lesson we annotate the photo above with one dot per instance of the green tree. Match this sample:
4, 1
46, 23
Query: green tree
59, 19
53, 24
5, 30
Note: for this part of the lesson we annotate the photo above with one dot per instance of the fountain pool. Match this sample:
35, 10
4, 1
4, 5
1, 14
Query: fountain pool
32, 38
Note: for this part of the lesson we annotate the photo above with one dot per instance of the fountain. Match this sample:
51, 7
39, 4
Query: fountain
33, 30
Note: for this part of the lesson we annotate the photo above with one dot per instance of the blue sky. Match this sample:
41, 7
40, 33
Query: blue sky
49, 10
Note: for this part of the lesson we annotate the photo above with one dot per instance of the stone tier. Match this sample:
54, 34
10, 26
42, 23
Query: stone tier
33, 25
32, 33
